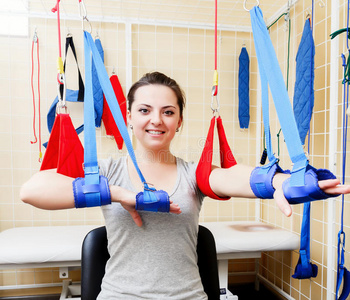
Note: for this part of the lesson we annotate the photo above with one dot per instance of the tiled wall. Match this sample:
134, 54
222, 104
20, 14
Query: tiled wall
186, 54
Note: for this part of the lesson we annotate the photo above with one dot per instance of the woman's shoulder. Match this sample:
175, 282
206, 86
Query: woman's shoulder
187, 166
111, 165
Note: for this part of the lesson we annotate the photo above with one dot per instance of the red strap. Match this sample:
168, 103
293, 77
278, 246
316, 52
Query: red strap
226, 157
64, 149
107, 117
205, 163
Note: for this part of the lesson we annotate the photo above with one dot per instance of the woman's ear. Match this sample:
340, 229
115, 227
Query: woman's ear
128, 116
179, 123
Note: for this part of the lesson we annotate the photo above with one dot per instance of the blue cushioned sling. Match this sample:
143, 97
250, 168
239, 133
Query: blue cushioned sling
243, 89
97, 90
303, 101
150, 199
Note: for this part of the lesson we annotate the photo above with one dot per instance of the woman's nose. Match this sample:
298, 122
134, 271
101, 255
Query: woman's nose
156, 118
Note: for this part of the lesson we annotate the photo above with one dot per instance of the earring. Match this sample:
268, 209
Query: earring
177, 130
131, 127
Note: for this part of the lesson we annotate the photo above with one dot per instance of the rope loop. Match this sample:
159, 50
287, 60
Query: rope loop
245, 7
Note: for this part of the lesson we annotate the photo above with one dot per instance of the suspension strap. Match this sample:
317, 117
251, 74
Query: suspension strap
91, 168
227, 159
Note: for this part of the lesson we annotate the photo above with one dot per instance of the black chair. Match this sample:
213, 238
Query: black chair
95, 255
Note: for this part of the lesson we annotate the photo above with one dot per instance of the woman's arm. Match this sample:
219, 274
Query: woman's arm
235, 182
50, 190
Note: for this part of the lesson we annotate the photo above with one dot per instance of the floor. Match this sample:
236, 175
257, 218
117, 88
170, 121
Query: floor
244, 292
247, 292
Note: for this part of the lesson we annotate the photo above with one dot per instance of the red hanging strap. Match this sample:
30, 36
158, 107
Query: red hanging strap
107, 117
64, 150
227, 159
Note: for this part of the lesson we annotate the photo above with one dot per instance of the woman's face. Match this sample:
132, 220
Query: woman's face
155, 116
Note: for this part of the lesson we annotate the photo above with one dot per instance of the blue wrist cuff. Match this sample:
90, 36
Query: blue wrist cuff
261, 180
153, 200
92, 194
310, 191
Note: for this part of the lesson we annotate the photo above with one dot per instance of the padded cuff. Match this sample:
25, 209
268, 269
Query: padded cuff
261, 180
100, 194
310, 191
156, 201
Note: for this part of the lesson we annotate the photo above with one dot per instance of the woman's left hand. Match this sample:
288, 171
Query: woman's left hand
330, 186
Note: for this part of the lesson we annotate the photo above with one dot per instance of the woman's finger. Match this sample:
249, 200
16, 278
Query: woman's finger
136, 217
282, 203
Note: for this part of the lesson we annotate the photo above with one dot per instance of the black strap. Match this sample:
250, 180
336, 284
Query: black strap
70, 43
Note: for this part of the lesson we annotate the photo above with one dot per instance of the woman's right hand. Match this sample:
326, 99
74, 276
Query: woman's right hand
127, 199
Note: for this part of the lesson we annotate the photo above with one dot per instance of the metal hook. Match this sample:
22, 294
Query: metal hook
321, 4
245, 7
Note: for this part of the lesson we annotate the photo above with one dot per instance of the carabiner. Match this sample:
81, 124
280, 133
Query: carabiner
83, 14
215, 110
244, 5
61, 80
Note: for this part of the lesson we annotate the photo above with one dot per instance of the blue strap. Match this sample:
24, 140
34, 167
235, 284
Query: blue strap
304, 268
243, 89
270, 73
91, 169
115, 109
98, 94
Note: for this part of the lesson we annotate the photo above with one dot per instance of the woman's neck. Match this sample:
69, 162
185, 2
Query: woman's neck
146, 156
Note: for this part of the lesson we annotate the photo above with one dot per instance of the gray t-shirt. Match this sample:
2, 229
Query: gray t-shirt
158, 260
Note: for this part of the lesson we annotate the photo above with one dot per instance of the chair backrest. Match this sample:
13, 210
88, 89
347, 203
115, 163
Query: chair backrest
95, 255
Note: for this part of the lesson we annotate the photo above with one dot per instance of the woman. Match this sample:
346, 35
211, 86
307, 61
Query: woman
153, 255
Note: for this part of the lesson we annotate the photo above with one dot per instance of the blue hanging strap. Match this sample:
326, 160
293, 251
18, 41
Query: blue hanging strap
261, 177
150, 197
343, 275
303, 103
304, 268
243, 89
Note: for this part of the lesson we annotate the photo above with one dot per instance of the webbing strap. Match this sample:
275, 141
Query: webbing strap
112, 103
90, 153
270, 73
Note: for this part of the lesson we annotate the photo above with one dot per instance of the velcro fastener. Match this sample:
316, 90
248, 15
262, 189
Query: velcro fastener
261, 180
152, 200
101, 194
310, 191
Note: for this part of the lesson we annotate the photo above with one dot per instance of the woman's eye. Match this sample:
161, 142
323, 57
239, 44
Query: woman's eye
143, 110
169, 112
